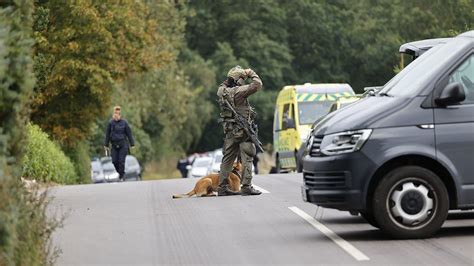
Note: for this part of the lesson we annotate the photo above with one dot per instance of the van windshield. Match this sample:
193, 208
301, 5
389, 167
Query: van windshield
411, 80
310, 111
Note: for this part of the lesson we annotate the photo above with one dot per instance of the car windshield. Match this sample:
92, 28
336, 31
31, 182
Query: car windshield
95, 166
311, 111
108, 166
218, 158
129, 160
202, 162
409, 82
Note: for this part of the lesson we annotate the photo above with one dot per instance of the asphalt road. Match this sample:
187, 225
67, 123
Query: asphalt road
138, 223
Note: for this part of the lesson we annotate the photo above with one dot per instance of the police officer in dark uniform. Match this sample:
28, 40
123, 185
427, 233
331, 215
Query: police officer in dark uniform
117, 133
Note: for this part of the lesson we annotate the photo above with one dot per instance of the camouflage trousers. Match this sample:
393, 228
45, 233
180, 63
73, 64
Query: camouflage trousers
233, 147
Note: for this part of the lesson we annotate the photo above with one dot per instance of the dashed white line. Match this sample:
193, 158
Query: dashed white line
353, 251
261, 189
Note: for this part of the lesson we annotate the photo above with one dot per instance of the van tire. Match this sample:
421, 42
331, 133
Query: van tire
410, 202
277, 165
370, 218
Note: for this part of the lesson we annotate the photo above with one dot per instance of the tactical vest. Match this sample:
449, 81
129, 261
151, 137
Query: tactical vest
226, 115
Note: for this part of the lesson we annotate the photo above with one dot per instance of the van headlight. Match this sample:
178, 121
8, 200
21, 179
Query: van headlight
303, 137
344, 142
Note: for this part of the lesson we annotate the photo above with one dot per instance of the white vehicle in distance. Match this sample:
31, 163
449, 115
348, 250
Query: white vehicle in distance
97, 174
199, 167
133, 169
110, 175
215, 165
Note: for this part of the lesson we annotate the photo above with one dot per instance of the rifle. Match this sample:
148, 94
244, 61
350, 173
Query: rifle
243, 123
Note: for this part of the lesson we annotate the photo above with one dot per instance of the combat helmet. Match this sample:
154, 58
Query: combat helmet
237, 73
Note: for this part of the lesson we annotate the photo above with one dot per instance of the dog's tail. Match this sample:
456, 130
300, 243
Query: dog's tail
187, 195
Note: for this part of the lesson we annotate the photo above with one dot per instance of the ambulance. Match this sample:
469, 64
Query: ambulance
297, 107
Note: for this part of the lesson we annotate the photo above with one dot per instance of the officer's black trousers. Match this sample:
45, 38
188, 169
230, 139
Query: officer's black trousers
118, 158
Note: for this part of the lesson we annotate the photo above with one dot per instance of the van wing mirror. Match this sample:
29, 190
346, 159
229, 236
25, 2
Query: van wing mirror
453, 93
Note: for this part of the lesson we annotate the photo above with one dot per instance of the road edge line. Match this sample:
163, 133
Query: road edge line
348, 247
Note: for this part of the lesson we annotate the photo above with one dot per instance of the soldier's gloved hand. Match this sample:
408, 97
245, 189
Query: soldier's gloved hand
249, 72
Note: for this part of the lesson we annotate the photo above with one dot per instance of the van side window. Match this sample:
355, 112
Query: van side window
285, 116
464, 74
276, 126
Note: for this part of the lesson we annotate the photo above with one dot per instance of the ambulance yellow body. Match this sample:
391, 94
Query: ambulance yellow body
297, 107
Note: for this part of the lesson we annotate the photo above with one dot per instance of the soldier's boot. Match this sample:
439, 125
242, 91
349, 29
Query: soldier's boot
249, 191
225, 191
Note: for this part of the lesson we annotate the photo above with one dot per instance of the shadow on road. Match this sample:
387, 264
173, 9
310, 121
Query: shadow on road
344, 220
461, 215
467, 231
364, 235
377, 235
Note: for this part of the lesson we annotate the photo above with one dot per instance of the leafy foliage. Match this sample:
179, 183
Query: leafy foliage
16, 81
24, 229
44, 160
83, 49
294, 42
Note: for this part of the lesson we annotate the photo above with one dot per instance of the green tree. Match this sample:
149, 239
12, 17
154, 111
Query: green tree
255, 30
24, 229
83, 49
16, 82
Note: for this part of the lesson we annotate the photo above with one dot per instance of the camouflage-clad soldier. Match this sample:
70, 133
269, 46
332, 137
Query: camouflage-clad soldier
236, 141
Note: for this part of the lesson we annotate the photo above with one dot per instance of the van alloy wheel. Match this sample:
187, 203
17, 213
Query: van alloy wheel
411, 203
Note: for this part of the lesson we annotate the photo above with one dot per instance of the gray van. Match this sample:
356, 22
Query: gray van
405, 156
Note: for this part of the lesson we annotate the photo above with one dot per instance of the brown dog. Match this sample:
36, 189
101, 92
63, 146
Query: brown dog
208, 184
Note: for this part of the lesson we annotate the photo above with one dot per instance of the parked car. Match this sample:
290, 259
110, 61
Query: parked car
199, 167
406, 156
97, 174
110, 175
215, 165
132, 169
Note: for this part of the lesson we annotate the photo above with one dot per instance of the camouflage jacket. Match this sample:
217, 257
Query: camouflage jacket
237, 96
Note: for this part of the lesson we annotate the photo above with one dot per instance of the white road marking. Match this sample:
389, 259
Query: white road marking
353, 251
261, 189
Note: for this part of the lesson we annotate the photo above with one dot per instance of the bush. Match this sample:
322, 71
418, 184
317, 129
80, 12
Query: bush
143, 147
44, 159
25, 229
81, 161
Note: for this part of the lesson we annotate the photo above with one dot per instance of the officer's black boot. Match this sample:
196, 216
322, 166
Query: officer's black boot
249, 191
225, 191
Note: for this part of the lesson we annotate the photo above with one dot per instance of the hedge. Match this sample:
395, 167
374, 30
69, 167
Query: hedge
44, 160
